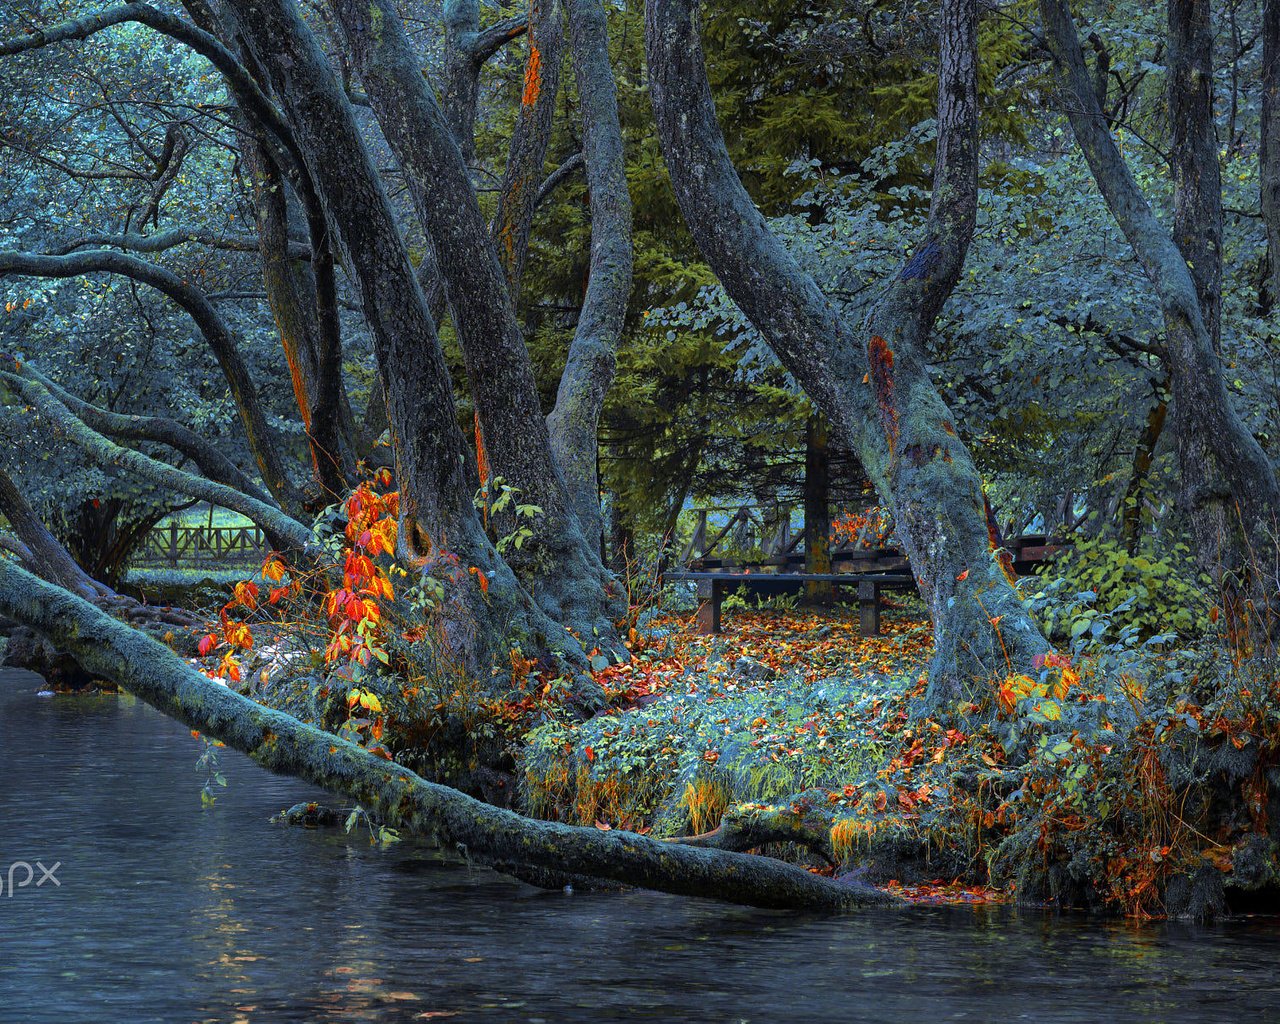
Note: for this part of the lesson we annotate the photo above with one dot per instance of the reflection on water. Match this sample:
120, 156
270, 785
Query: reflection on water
170, 913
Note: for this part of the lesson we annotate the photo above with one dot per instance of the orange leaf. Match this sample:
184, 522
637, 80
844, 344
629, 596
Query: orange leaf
591, 754
963, 576
604, 826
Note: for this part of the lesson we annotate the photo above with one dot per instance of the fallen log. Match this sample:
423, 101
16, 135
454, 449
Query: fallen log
484, 833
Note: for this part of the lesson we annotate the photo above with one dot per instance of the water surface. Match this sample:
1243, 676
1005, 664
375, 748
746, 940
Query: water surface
170, 913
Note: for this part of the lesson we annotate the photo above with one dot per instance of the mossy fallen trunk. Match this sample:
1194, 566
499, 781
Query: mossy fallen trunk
485, 833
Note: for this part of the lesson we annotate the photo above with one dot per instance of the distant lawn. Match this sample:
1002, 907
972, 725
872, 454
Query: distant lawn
199, 516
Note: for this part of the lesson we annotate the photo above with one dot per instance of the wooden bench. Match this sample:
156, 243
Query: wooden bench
714, 585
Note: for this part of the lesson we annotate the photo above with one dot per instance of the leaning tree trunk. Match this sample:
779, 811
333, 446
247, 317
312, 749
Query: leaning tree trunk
206, 456
527, 152
1193, 153
1269, 151
439, 524
588, 372
896, 422
280, 743
284, 531
1228, 485
44, 555
563, 571
309, 338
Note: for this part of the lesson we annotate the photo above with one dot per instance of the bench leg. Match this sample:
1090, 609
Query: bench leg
869, 608
710, 594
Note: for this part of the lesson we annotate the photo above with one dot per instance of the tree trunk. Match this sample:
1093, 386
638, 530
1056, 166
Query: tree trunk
439, 524
1143, 457
1228, 486
1269, 151
560, 567
817, 507
527, 152
312, 349
896, 422
492, 835
588, 372
466, 48
1193, 149
44, 555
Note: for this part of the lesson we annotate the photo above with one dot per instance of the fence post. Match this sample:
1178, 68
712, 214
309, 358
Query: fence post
173, 542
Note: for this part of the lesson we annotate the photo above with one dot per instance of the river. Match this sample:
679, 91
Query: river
163, 911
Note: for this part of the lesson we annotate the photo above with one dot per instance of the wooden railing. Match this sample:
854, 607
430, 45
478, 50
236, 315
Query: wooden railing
173, 544
779, 548
752, 527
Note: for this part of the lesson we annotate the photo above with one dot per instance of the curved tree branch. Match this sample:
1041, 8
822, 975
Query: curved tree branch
262, 438
207, 458
159, 241
43, 553
109, 455
250, 97
557, 178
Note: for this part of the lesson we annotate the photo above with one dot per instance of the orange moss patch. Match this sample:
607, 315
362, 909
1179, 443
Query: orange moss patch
532, 78
1004, 558
880, 360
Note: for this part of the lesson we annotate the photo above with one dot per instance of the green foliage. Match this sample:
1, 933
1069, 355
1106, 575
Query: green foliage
1150, 594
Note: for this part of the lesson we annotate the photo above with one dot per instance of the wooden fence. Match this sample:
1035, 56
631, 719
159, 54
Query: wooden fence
176, 545
727, 536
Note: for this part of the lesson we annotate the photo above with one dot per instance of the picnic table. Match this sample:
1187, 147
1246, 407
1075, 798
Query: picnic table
713, 585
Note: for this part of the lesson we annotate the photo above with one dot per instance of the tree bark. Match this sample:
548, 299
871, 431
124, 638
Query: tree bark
1193, 149
527, 151
1143, 458
896, 422
1269, 151
562, 570
480, 831
817, 506
44, 556
440, 528
305, 312
157, 429
263, 442
1228, 485
466, 48
588, 372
